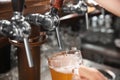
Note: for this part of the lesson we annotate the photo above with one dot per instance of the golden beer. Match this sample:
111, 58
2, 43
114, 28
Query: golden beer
62, 65
56, 75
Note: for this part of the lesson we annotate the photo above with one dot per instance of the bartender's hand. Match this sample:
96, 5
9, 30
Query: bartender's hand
87, 73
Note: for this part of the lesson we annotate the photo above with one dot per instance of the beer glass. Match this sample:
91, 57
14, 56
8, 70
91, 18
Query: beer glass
65, 65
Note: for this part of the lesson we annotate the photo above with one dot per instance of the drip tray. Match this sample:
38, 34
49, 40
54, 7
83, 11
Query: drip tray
108, 73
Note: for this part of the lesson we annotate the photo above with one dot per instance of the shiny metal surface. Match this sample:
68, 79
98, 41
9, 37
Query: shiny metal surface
28, 52
59, 41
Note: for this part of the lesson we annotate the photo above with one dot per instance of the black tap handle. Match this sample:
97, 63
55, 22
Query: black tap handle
18, 5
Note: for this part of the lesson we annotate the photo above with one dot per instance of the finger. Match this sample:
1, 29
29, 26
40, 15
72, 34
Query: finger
99, 74
91, 73
87, 73
83, 78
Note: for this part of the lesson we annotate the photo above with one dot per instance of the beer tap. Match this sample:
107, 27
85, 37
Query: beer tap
56, 5
50, 20
17, 31
80, 8
22, 28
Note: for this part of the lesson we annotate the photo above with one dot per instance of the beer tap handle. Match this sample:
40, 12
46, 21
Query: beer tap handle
56, 3
18, 5
28, 52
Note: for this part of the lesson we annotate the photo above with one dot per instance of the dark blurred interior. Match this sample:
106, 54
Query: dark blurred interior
99, 43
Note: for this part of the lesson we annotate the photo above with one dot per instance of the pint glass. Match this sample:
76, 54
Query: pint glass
63, 64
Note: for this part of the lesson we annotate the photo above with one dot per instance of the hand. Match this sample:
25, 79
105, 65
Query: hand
87, 73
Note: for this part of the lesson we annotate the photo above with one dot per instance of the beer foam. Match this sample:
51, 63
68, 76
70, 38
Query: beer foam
65, 63
63, 69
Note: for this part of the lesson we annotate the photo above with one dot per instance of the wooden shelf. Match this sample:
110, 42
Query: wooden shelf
36, 6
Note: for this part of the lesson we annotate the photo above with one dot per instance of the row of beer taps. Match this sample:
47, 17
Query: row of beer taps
19, 28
